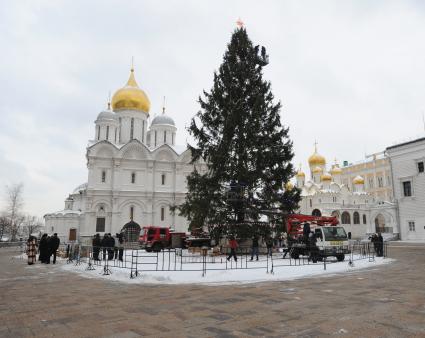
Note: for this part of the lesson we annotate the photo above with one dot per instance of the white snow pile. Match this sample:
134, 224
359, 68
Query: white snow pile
257, 272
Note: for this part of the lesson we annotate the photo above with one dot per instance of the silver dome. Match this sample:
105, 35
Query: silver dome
162, 119
106, 115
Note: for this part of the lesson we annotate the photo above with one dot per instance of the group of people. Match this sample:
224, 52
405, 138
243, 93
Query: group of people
378, 244
233, 245
112, 246
47, 247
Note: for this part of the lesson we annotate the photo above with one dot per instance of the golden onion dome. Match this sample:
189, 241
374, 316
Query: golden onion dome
317, 170
300, 174
358, 180
131, 97
326, 177
316, 159
289, 186
336, 170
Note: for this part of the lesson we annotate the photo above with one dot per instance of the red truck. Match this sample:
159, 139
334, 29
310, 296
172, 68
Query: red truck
154, 238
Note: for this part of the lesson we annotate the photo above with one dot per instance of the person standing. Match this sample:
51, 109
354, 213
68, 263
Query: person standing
120, 246
269, 244
54, 245
111, 244
254, 250
44, 249
96, 244
31, 250
104, 244
380, 245
233, 246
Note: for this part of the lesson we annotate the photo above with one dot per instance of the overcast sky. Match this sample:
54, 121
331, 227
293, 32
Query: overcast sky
350, 75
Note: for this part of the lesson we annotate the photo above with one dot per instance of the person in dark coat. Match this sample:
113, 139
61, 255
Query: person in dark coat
104, 244
254, 251
269, 245
380, 245
306, 231
54, 246
44, 249
314, 250
120, 245
111, 245
374, 241
96, 243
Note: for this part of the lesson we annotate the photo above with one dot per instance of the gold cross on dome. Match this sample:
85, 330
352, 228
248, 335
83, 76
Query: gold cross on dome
239, 23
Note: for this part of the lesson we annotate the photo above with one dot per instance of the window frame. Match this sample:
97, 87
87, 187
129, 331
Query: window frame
162, 214
356, 218
412, 226
103, 176
410, 187
133, 178
419, 165
97, 224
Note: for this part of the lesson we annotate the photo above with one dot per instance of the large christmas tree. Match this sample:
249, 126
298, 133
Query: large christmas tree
247, 151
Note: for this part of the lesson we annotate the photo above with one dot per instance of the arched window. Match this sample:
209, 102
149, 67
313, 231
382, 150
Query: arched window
133, 178
316, 212
98, 132
103, 176
364, 219
131, 128
107, 133
115, 138
356, 218
131, 213
155, 139
143, 131
162, 214
165, 136
163, 179
172, 138
345, 218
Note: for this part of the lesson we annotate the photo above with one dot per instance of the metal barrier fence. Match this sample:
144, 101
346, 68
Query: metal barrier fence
137, 261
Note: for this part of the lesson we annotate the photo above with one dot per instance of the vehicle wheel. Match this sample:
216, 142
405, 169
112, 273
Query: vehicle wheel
295, 255
314, 258
340, 257
157, 247
148, 249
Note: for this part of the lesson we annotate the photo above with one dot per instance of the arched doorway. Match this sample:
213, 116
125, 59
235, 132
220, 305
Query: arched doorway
131, 232
335, 213
316, 212
380, 223
345, 218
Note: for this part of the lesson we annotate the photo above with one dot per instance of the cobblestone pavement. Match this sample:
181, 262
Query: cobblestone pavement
387, 301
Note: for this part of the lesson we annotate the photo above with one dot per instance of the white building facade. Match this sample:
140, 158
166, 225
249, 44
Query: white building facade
135, 172
326, 194
407, 166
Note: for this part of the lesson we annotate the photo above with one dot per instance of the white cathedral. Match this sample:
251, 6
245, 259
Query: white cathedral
135, 172
325, 194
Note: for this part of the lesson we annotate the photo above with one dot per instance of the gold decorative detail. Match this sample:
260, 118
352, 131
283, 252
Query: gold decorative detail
317, 170
300, 173
289, 186
131, 96
326, 177
358, 180
316, 159
336, 170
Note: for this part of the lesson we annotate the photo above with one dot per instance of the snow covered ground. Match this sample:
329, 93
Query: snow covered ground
256, 272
